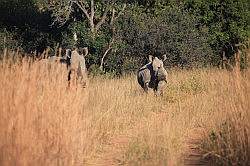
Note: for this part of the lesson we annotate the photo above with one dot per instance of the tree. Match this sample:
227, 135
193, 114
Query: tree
22, 21
227, 22
171, 31
96, 14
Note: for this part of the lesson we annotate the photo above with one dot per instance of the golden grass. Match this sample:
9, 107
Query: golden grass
42, 122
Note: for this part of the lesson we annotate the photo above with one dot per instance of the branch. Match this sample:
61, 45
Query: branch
82, 7
123, 8
113, 18
104, 16
63, 13
105, 54
92, 9
110, 45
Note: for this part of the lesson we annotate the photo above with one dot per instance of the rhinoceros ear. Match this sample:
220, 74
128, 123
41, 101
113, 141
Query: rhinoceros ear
83, 51
150, 58
164, 57
86, 51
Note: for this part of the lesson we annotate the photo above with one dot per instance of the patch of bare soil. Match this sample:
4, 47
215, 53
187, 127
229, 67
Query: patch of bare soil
112, 152
193, 155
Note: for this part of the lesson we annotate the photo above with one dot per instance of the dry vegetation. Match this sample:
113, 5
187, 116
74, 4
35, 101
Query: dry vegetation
42, 122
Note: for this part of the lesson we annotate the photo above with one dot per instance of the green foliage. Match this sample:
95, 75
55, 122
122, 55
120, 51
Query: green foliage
192, 33
96, 45
95, 70
7, 40
23, 22
171, 31
227, 22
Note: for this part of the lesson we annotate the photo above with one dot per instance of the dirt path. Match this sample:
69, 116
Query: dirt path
112, 152
193, 154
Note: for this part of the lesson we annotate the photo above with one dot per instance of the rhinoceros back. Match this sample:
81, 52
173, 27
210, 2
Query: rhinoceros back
144, 75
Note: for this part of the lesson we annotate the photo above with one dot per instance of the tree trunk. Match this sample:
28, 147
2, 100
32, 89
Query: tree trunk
56, 48
113, 18
237, 60
224, 60
103, 57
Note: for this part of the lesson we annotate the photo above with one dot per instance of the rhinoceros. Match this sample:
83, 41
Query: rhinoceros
153, 75
65, 60
74, 60
77, 67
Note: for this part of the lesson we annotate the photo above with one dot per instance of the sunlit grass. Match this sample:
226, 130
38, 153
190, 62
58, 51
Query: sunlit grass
43, 122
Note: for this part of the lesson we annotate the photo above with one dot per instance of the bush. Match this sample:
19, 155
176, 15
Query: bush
7, 40
27, 25
171, 31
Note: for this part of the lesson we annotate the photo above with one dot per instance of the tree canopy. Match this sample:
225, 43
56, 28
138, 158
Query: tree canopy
120, 34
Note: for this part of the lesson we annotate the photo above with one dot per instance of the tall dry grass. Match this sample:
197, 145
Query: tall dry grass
227, 141
42, 122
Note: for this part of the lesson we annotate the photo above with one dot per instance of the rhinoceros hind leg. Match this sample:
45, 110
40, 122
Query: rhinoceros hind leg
145, 87
160, 88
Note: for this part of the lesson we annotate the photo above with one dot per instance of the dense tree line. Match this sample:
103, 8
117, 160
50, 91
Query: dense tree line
121, 33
